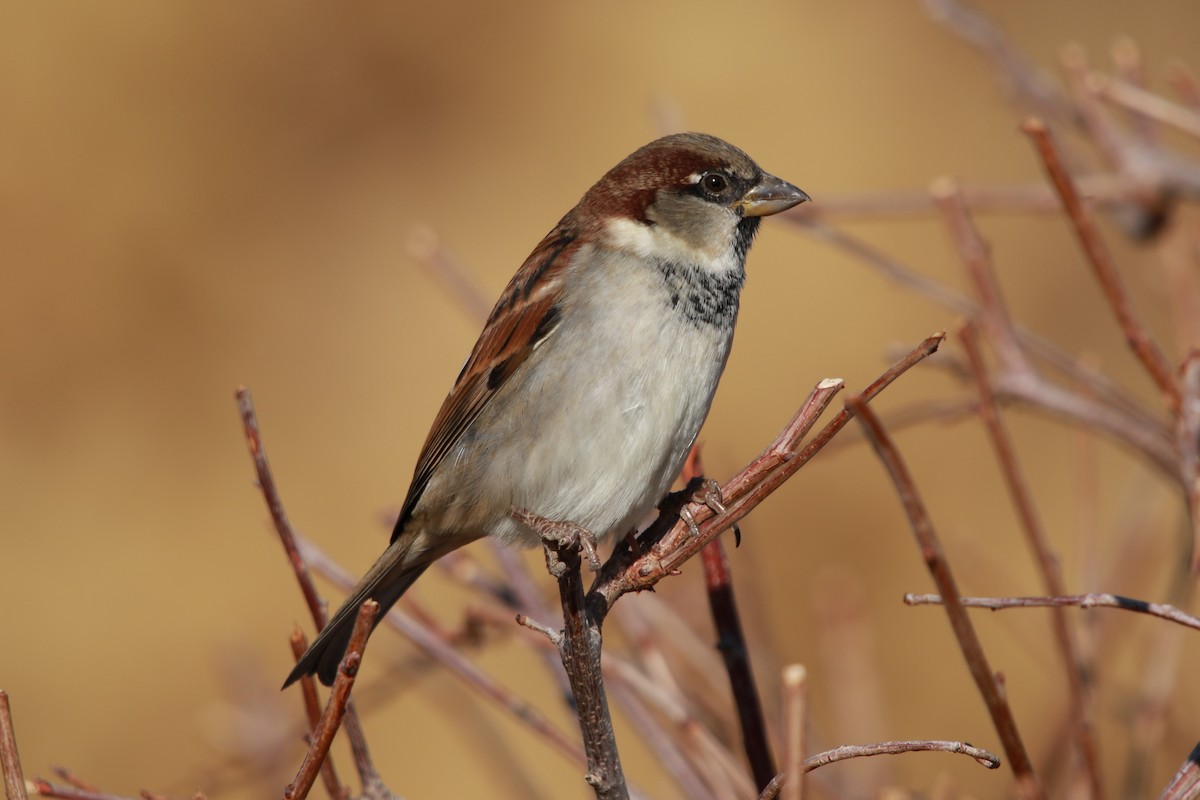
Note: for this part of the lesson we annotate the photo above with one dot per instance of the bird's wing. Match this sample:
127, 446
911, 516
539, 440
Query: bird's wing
523, 317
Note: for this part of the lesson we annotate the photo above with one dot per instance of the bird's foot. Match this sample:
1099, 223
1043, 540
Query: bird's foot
557, 534
708, 493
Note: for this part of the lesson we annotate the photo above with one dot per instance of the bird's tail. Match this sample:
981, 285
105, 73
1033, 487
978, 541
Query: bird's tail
384, 583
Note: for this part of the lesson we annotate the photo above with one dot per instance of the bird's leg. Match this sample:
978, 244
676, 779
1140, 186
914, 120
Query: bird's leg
557, 533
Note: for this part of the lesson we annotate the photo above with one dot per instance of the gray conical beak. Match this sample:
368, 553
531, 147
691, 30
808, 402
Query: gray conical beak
770, 196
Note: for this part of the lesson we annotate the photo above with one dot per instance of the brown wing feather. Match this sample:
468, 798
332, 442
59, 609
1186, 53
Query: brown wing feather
523, 317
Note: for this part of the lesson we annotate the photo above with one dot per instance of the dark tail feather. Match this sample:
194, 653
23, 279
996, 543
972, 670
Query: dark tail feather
324, 655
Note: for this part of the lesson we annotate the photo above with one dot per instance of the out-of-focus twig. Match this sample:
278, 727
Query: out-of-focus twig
931, 551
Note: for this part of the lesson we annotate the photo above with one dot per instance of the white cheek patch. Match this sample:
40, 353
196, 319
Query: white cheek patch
655, 242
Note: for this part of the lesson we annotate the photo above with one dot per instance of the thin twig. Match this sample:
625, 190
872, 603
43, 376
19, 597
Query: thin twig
981, 756
44, 788
1092, 600
1185, 785
10, 759
1187, 439
1086, 232
367, 773
335, 709
939, 568
1145, 103
312, 709
993, 317
795, 724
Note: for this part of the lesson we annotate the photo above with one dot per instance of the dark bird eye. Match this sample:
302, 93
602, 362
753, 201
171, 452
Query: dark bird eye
714, 182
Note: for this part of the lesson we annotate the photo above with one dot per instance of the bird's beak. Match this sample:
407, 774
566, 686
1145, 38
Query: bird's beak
770, 196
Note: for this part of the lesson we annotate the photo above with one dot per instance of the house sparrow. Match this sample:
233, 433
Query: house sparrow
594, 372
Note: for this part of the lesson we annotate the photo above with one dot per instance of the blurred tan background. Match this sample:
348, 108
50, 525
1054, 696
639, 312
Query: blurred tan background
195, 196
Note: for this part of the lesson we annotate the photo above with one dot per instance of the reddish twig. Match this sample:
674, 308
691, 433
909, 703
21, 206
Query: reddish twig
939, 568
1086, 232
1187, 438
1093, 600
1185, 785
312, 709
367, 773
270, 491
44, 788
993, 316
335, 709
10, 759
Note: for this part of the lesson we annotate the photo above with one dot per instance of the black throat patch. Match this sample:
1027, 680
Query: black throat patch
703, 297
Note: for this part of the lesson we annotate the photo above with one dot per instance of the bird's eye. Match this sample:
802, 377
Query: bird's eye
714, 182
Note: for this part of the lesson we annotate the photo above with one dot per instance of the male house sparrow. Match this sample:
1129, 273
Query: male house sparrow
594, 372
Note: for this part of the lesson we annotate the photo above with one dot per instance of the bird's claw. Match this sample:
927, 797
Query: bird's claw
559, 533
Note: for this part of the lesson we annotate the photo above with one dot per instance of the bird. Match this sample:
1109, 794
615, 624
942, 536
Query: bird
593, 373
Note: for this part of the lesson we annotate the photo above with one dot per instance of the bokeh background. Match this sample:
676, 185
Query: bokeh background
196, 196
